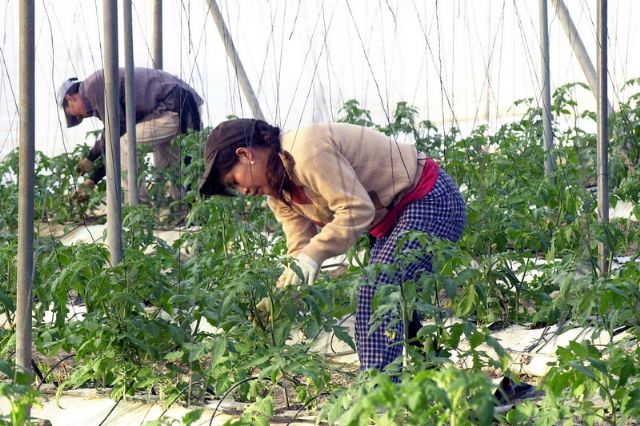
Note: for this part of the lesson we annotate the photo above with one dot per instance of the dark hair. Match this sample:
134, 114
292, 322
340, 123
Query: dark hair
263, 135
73, 89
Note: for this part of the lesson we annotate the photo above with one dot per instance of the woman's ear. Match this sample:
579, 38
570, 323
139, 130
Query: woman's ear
244, 153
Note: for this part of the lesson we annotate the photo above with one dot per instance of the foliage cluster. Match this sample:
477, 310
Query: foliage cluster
529, 237
16, 387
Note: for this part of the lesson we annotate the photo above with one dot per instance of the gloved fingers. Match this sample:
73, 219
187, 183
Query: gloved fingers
262, 313
308, 266
312, 277
282, 279
304, 269
288, 277
264, 305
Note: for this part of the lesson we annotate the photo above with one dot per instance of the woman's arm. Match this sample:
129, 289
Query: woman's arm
298, 229
328, 174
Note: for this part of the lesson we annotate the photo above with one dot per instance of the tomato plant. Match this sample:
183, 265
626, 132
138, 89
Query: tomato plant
173, 319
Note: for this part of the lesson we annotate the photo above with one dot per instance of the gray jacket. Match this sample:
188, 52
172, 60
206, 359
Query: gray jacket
156, 92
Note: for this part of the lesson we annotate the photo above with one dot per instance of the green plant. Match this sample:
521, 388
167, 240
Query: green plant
172, 320
446, 396
354, 114
584, 372
20, 393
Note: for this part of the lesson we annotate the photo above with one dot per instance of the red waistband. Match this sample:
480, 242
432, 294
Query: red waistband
427, 180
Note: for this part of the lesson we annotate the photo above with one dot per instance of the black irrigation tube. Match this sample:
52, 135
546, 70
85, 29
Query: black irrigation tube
36, 370
162, 414
53, 367
178, 396
310, 400
248, 379
110, 411
231, 389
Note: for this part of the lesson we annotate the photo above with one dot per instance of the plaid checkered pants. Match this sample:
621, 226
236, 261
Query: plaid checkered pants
441, 214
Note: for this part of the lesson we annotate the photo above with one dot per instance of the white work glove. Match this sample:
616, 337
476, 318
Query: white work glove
262, 313
308, 267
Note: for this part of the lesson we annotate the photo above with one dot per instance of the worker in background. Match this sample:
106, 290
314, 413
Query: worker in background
327, 184
165, 107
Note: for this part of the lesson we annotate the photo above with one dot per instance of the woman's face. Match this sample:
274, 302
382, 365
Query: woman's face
249, 174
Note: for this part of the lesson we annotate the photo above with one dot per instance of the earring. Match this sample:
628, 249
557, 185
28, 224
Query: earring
253, 162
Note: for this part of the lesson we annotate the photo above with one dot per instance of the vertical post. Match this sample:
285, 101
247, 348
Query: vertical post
546, 90
578, 46
157, 34
130, 103
26, 182
235, 60
487, 105
603, 133
112, 130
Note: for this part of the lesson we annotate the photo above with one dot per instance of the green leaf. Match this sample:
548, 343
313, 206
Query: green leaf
342, 334
485, 411
627, 370
260, 411
476, 339
175, 355
582, 369
467, 301
192, 416
415, 401
631, 404
281, 332
599, 365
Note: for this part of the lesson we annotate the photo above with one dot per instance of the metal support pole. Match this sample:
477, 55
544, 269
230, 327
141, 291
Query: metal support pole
112, 129
26, 183
577, 45
241, 75
603, 133
130, 103
488, 90
546, 90
157, 34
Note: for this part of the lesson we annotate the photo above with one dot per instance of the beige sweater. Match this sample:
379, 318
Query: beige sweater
350, 174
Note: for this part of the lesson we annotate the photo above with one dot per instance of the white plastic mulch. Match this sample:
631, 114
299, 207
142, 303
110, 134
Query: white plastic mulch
531, 351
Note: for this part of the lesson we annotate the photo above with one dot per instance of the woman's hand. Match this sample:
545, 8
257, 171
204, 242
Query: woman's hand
308, 268
262, 313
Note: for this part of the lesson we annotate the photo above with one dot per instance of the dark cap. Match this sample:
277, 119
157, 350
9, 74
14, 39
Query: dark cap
238, 132
70, 86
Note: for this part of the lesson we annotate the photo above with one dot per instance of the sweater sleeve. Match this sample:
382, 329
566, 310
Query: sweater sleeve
298, 229
328, 174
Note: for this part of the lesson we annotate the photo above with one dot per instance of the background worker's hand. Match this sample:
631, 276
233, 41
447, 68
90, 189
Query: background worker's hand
308, 267
82, 193
262, 313
84, 166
